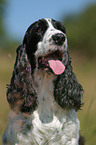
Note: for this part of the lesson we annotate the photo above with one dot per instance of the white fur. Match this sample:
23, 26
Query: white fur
51, 124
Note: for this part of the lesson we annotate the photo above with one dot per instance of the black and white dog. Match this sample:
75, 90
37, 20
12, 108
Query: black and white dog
44, 94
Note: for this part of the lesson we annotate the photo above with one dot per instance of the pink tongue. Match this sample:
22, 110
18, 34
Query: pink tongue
57, 66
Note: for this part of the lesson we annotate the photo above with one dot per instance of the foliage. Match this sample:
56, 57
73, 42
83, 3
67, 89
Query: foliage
2, 4
81, 31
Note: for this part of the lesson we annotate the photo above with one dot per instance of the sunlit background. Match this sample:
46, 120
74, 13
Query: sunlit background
79, 18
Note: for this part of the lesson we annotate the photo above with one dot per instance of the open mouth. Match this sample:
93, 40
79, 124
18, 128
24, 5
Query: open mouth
52, 62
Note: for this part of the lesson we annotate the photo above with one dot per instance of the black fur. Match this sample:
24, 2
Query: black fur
68, 91
20, 94
58, 26
34, 35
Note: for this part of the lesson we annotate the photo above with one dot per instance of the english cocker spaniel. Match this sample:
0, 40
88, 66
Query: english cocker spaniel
44, 94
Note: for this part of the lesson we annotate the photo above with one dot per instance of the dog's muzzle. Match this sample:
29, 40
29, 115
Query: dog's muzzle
52, 63
52, 60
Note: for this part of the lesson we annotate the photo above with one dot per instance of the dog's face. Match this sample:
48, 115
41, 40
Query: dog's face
46, 42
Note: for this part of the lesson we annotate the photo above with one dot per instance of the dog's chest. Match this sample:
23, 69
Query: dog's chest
45, 119
51, 125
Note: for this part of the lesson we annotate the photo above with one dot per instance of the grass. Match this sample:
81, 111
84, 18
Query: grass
85, 70
6, 66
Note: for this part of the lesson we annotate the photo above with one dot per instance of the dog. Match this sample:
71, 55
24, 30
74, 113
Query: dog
44, 94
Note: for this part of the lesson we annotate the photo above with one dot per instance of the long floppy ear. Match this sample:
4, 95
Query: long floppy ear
21, 94
68, 91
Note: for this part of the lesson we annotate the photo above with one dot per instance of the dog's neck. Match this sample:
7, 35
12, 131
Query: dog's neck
45, 98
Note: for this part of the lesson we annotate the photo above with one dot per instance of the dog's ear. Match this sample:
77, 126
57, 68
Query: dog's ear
21, 94
68, 91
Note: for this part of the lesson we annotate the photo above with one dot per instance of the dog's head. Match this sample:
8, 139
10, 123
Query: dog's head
44, 48
45, 42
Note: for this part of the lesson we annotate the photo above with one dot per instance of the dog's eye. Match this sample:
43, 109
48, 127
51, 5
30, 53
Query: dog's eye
38, 30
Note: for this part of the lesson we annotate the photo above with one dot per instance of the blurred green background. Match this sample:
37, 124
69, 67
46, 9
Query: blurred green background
81, 33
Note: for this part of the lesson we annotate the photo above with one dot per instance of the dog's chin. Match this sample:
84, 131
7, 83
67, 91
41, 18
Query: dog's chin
44, 61
46, 71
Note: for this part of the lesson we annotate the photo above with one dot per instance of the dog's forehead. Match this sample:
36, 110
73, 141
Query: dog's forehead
45, 21
54, 26
49, 21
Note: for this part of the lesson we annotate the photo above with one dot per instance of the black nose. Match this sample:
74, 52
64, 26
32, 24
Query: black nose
58, 38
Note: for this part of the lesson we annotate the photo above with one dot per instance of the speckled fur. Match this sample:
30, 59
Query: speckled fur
43, 105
